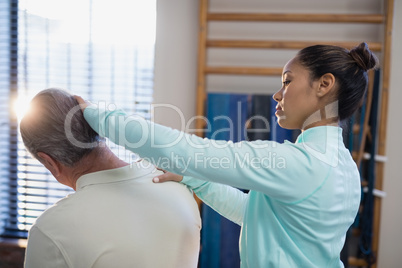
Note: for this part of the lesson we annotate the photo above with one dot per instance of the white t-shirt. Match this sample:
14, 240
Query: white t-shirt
118, 218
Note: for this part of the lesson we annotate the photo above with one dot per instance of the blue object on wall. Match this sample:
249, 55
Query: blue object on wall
227, 115
260, 118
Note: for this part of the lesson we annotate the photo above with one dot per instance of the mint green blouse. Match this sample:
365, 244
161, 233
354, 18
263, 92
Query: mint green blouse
303, 196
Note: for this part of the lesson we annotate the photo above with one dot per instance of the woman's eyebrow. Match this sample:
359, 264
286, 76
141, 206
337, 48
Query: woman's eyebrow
287, 71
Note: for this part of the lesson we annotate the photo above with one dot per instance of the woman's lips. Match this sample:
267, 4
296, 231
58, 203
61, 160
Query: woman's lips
278, 109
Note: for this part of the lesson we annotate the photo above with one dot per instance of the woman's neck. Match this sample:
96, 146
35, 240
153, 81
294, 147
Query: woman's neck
325, 116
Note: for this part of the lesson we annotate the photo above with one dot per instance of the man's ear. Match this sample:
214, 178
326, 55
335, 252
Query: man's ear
327, 84
52, 165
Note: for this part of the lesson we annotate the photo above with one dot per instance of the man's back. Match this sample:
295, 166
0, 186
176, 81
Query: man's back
118, 218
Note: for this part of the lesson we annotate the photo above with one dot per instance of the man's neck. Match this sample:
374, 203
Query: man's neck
101, 158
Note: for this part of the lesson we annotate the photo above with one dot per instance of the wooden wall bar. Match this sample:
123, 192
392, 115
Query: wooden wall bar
384, 47
374, 46
298, 17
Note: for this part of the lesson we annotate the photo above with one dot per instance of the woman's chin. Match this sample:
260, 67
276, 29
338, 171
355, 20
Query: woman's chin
286, 125
281, 122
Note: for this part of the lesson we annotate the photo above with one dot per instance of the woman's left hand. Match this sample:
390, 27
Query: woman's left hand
167, 176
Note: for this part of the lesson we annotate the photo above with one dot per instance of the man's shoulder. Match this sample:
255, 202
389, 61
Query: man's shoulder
55, 213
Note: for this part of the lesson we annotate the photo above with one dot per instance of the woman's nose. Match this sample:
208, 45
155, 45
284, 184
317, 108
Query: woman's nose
277, 96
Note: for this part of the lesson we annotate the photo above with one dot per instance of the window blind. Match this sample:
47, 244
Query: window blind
5, 39
100, 50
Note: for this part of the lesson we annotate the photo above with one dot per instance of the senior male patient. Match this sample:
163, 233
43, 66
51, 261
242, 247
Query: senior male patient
117, 217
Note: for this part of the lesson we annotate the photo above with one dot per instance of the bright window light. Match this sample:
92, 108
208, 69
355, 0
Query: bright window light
111, 24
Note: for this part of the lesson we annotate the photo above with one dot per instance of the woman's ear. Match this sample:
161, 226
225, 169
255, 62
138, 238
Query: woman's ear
327, 84
52, 165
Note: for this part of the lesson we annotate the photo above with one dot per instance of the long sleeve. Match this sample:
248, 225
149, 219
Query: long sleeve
282, 171
226, 200
42, 252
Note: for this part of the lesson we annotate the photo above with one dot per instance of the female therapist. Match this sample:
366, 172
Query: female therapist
297, 211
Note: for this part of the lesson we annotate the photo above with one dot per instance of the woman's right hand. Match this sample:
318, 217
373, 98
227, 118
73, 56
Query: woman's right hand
83, 103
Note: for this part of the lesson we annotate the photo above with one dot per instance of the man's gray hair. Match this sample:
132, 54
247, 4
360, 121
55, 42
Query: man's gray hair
43, 128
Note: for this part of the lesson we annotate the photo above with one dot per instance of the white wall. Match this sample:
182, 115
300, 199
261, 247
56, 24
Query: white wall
176, 60
176, 66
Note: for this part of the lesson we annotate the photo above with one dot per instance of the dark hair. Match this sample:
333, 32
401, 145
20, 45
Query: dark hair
44, 128
349, 68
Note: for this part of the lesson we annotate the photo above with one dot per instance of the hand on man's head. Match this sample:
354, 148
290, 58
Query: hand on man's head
83, 103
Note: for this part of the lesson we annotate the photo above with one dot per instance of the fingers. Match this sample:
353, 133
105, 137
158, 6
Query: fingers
164, 171
156, 180
167, 177
83, 104
79, 99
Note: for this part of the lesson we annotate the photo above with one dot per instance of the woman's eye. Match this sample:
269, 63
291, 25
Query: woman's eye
285, 83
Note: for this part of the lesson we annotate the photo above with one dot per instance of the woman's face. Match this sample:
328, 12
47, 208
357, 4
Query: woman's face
296, 99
